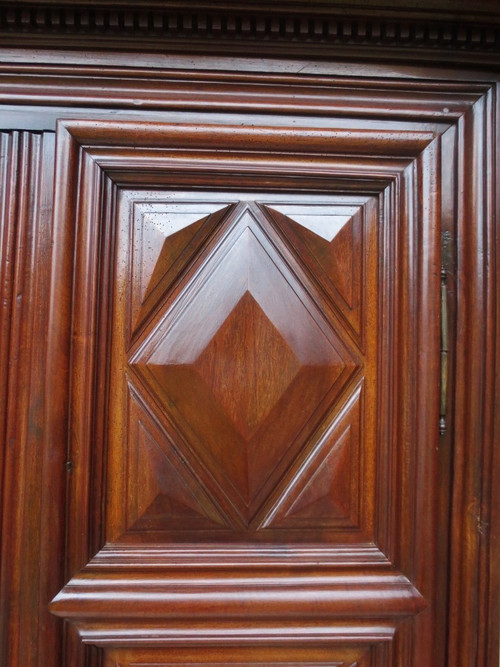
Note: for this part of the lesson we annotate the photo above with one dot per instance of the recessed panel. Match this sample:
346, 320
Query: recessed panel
251, 377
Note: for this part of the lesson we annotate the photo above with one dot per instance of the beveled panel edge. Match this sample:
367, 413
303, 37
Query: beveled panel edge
117, 556
335, 654
376, 654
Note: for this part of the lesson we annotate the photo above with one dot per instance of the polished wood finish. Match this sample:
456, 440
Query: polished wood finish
221, 362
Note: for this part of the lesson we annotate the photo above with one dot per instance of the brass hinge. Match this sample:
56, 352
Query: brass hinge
444, 354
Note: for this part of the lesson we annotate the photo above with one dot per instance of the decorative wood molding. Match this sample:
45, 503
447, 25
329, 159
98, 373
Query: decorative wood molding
304, 94
25, 237
285, 28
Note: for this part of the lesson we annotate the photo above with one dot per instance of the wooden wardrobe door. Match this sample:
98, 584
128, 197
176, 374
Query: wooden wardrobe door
248, 335
253, 411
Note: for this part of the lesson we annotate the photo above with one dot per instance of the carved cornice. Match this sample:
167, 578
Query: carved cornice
227, 27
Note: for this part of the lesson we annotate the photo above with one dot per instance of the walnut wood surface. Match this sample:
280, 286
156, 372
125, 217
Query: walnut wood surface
220, 367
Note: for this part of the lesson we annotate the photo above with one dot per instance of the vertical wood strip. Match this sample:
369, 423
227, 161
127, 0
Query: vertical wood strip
29, 546
494, 499
474, 393
8, 207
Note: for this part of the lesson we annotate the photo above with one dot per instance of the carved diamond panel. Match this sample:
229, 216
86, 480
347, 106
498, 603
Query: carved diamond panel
244, 364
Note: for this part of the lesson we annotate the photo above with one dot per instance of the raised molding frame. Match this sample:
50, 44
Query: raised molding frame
94, 157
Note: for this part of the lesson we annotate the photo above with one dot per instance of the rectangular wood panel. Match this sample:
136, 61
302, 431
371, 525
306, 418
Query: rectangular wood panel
242, 369
242, 401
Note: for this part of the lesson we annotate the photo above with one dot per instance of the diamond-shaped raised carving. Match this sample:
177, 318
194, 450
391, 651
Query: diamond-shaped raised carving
241, 362
244, 364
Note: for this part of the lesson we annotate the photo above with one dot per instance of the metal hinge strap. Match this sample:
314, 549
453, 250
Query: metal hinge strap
444, 354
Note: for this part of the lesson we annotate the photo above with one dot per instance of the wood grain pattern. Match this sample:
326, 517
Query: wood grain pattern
331, 244
163, 238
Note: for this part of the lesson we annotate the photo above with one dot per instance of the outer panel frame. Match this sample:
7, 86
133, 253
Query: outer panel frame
121, 153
